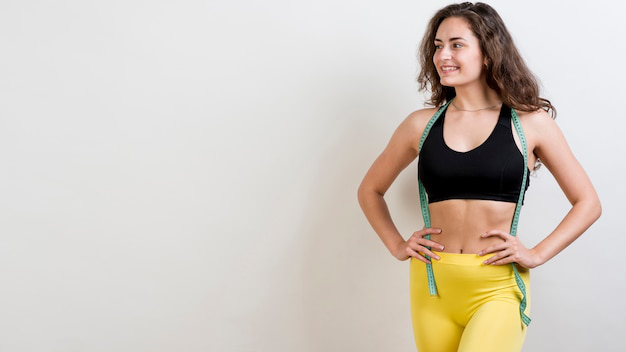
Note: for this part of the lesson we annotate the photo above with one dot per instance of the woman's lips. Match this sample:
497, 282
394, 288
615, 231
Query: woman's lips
448, 69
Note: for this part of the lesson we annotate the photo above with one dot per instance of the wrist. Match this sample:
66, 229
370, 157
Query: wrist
398, 250
538, 257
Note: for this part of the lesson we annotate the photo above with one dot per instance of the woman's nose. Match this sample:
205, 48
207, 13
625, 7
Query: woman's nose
445, 53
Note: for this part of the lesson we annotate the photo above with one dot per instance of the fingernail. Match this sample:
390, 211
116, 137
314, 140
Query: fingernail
480, 253
439, 230
441, 247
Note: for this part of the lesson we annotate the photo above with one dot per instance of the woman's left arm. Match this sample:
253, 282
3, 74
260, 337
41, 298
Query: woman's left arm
552, 148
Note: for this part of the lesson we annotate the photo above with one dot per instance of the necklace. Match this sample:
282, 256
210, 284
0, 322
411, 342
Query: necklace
487, 108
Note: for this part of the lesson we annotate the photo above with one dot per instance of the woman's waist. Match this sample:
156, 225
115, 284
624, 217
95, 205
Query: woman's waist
471, 261
462, 273
466, 236
464, 243
462, 229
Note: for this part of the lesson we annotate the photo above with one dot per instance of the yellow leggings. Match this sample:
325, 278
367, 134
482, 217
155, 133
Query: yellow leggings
476, 310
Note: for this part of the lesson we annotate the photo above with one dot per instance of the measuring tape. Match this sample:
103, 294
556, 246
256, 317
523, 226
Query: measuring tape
518, 209
432, 287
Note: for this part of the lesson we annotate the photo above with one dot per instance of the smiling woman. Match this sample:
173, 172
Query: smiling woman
457, 47
488, 129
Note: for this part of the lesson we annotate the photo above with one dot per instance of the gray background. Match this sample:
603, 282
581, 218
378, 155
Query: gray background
182, 175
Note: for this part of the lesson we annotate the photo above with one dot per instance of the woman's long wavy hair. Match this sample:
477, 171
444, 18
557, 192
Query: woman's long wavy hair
506, 71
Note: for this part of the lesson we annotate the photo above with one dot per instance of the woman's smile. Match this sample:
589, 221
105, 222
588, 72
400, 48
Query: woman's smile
449, 69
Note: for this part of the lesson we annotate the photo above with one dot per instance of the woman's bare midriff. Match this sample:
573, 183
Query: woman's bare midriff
462, 222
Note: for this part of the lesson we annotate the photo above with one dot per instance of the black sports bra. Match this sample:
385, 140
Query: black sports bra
491, 171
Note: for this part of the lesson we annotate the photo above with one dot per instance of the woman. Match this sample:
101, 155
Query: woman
469, 283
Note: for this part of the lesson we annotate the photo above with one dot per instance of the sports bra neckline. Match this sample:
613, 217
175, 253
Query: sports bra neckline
501, 114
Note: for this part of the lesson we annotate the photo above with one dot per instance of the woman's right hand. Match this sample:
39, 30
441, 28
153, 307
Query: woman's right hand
417, 244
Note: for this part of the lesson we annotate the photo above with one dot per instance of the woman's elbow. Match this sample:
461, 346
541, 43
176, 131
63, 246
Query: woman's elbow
362, 192
593, 207
597, 208
365, 192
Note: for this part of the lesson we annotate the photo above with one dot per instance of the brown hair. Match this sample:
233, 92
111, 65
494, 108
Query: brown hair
506, 71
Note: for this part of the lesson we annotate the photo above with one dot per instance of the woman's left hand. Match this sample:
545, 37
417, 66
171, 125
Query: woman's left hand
512, 250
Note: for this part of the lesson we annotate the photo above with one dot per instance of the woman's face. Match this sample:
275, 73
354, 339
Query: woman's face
458, 58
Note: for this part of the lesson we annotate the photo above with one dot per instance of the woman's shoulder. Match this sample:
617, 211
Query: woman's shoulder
538, 120
410, 130
419, 118
425, 113
538, 116
539, 127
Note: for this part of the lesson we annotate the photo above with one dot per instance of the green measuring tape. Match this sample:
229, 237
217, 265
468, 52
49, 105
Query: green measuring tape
432, 287
518, 209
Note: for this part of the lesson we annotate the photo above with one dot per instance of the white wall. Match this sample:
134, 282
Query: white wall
181, 175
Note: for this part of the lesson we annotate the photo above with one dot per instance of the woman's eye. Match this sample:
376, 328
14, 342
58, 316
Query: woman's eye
458, 45
437, 47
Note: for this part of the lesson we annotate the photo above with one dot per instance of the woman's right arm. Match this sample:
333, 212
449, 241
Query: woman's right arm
399, 153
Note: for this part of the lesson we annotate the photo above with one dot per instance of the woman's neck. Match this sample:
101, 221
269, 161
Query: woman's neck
476, 98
